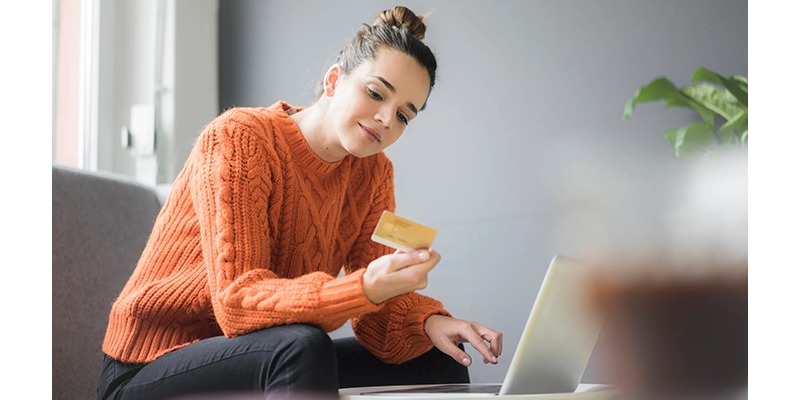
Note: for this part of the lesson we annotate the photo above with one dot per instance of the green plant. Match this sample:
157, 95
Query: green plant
727, 98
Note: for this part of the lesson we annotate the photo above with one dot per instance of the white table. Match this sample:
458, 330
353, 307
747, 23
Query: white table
585, 391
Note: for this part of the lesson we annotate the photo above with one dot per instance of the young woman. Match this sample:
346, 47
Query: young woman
237, 286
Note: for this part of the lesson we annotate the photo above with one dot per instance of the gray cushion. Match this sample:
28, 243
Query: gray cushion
101, 223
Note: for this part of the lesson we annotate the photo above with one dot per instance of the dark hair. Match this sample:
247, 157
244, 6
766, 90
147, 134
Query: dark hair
399, 29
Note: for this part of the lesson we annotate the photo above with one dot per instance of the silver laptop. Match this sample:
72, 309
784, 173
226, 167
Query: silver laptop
555, 345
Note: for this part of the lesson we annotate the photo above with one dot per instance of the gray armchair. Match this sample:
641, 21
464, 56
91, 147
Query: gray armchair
101, 224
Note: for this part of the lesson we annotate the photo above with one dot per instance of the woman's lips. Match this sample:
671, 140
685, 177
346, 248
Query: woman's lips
370, 133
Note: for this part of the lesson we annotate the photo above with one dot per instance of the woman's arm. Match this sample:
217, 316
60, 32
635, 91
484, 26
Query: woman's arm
395, 333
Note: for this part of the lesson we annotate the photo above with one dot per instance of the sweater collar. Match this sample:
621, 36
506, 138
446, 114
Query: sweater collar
303, 155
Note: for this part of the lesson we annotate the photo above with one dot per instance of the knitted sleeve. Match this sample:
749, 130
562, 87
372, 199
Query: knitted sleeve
230, 189
395, 333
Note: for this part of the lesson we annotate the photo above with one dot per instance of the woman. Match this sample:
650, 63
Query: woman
237, 287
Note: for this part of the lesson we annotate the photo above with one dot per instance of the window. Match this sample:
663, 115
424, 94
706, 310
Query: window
75, 43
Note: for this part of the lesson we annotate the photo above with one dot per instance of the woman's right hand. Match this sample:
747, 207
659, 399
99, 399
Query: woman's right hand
398, 273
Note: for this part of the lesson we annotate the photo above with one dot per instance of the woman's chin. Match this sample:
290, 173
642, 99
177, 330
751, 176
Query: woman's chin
361, 151
359, 154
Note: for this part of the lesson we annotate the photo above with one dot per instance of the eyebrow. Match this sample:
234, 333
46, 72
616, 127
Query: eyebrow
391, 87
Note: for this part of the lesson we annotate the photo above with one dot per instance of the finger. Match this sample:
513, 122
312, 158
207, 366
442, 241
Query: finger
425, 259
419, 272
477, 342
431, 262
494, 338
403, 259
454, 351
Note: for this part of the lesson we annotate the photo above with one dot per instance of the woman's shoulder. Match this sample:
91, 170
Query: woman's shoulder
251, 118
256, 122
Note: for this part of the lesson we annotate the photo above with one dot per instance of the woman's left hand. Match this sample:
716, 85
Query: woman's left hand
447, 333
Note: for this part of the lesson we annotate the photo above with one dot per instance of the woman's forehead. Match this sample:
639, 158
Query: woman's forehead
402, 72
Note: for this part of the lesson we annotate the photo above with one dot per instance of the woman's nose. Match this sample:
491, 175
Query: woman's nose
384, 117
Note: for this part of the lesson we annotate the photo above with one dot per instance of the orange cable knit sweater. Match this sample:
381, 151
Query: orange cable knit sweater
253, 234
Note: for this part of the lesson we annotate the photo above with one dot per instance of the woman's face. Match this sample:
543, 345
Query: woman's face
371, 106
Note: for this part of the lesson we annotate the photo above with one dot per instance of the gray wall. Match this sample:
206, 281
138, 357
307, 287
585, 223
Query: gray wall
521, 153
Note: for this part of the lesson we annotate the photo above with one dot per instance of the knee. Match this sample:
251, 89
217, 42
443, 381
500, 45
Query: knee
312, 352
308, 344
303, 358
309, 338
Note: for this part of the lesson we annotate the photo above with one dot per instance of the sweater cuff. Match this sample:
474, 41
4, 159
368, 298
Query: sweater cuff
344, 297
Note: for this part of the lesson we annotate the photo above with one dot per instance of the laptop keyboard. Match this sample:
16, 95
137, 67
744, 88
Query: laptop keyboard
483, 389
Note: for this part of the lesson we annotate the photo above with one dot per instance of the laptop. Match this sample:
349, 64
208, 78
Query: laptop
553, 350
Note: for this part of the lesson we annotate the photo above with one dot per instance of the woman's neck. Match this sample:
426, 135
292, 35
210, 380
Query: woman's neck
321, 138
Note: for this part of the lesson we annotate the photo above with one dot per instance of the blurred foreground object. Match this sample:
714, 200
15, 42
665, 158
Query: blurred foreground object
677, 310
728, 99
676, 337
260, 396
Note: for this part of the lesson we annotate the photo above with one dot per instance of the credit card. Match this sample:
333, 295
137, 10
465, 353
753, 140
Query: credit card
402, 234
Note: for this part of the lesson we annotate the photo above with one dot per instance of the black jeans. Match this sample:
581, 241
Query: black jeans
290, 361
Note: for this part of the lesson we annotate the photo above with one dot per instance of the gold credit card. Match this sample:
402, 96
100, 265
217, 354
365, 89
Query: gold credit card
402, 234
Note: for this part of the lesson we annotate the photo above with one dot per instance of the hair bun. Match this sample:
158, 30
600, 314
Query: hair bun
402, 17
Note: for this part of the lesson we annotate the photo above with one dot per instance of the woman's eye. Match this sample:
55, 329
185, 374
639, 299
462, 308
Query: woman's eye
377, 96
374, 94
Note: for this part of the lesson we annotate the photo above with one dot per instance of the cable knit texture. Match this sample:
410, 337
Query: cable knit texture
254, 234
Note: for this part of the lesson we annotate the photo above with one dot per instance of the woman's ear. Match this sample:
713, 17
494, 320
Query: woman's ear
332, 78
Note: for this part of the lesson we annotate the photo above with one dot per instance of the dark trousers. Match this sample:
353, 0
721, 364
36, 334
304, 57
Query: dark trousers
290, 361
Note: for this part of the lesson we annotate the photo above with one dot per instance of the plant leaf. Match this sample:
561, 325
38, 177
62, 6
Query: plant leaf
663, 89
745, 138
714, 99
742, 81
691, 139
733, 128
703, 74
658, 89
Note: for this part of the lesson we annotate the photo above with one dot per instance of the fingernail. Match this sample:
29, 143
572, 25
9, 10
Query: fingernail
494, 359
424, 256
465, 361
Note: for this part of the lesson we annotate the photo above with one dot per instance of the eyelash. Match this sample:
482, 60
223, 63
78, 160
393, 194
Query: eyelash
376, 96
